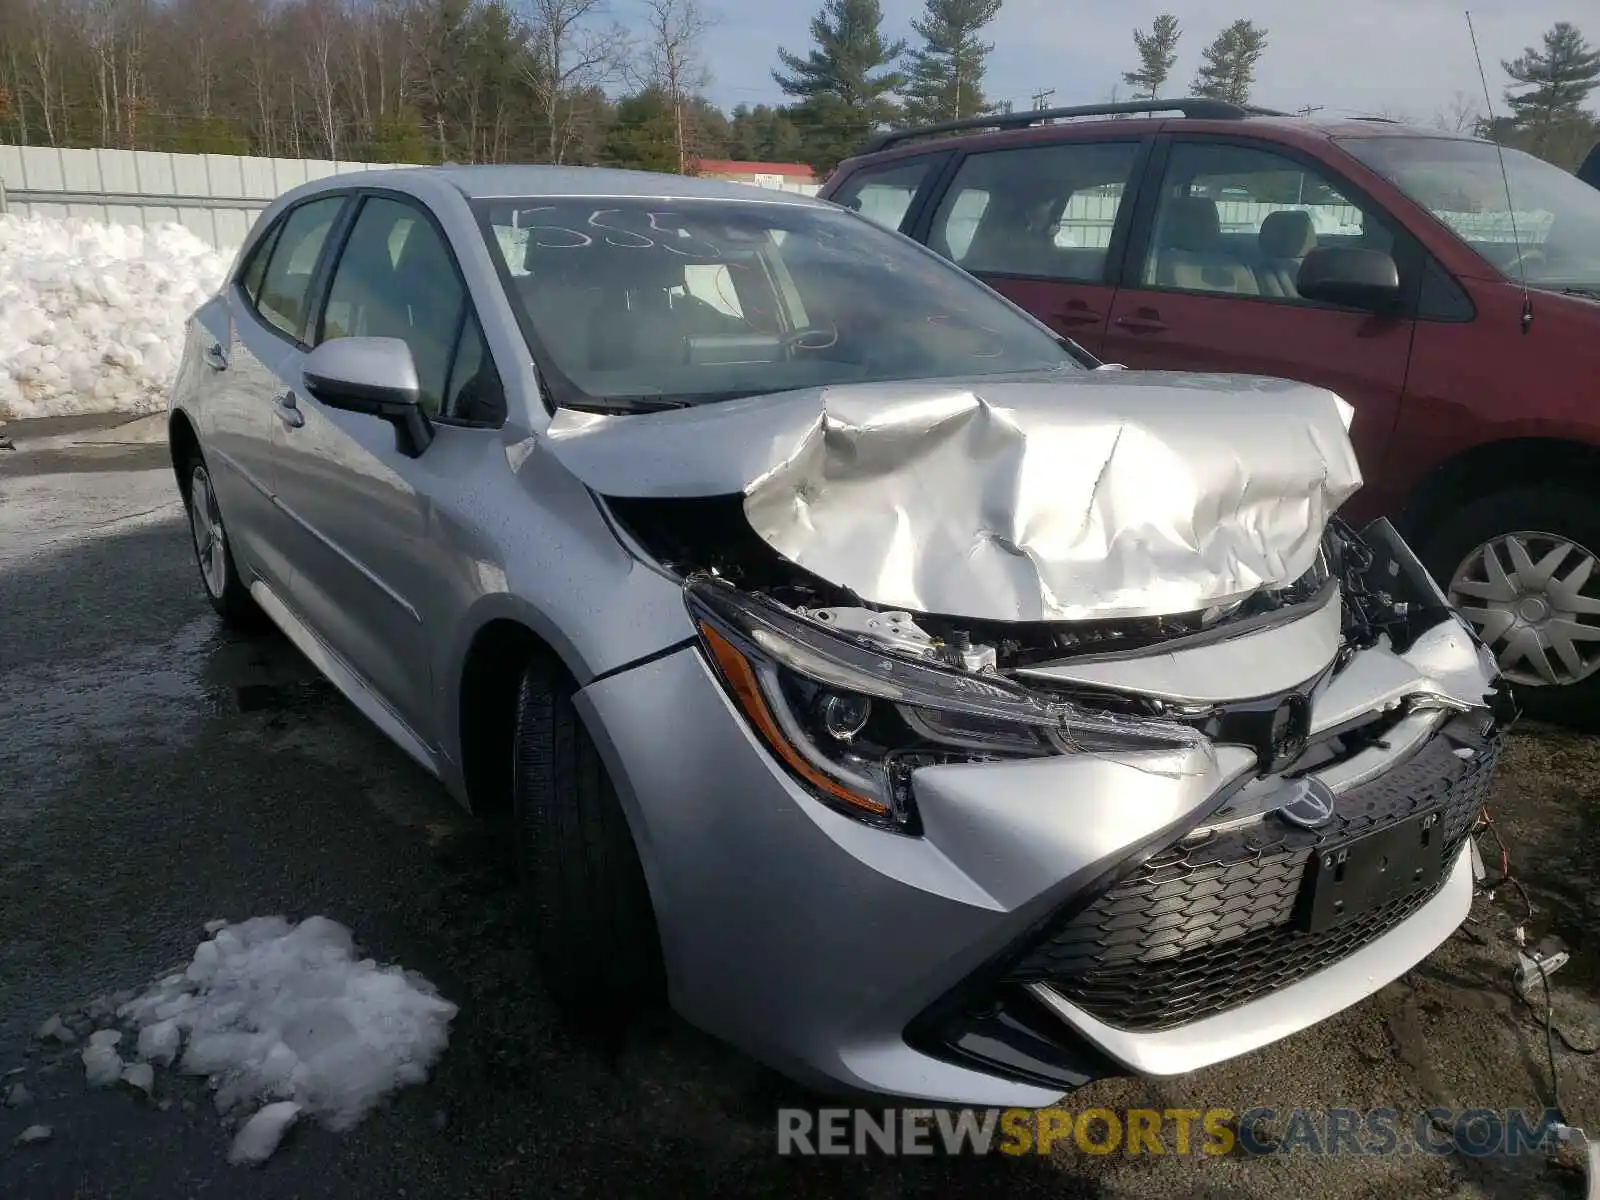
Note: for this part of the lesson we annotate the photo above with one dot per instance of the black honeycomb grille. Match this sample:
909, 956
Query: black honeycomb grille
1205, 925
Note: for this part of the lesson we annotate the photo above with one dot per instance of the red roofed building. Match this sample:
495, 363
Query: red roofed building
762, 174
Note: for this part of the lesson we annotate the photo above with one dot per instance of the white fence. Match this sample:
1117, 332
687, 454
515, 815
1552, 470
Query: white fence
215, 196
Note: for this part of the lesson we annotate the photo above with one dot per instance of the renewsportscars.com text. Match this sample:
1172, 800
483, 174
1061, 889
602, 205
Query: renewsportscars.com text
1210, 1132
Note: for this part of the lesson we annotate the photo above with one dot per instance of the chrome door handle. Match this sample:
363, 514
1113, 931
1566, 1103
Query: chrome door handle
288, 411
215, 357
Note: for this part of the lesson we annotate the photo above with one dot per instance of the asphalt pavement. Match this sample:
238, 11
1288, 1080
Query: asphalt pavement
157, 772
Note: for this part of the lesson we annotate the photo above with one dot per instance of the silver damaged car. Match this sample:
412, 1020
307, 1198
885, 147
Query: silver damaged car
864, 670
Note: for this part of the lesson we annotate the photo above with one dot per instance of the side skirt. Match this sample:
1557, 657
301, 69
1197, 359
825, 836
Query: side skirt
342, 677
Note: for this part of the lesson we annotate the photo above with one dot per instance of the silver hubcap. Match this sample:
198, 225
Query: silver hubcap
1524, 593
210, 543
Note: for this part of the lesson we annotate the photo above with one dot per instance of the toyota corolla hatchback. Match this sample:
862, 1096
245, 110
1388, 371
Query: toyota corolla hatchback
909, 702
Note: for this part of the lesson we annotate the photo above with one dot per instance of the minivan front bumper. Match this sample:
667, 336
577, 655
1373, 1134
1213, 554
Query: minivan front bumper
988, 960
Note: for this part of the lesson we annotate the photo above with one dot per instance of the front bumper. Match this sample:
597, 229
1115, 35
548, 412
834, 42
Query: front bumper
985, 962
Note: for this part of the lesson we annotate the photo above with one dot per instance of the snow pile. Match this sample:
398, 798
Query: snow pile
92, 315
285, 1016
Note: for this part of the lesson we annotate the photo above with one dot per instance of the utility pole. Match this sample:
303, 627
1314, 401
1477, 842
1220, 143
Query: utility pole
1041, 99
1309, 109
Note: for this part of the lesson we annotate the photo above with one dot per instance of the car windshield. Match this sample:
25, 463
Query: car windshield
1552, 222
639, 303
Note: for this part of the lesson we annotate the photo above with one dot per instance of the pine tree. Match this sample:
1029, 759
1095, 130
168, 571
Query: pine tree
946, 76
845, 85
1228, 66
1558, 80
1158, 51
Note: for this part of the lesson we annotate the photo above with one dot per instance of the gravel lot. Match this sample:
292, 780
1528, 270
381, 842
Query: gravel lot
155, 773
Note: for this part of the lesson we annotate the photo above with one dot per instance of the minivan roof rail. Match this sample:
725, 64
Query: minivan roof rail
1197, 107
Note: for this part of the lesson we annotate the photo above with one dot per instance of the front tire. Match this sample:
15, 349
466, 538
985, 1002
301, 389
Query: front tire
594, 929
213, 553
1522, 567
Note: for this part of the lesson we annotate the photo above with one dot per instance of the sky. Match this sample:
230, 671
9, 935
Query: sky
1353, 57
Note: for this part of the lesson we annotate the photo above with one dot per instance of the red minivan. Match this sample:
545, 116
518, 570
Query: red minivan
1453, 302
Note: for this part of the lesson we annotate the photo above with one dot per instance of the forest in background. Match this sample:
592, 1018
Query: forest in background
567, 81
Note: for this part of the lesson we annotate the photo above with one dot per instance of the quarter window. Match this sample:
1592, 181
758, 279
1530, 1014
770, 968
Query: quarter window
1241, 220
474, 392
256, 269
396, 279
884, 194
285, 288
1042, 211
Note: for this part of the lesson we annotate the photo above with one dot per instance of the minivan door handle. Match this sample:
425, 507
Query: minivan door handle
1078, 313
288, 411
1146, 320
215, 357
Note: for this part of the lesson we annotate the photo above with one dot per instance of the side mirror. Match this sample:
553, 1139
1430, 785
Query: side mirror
376, 377
1352, 277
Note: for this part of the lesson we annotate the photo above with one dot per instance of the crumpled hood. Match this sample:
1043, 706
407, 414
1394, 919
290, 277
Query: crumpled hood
1021, 498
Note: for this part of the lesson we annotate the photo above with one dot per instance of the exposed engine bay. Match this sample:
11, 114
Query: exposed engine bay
711, 535
1385, 598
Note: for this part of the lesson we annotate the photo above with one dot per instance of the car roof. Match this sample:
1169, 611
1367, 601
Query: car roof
490, 182
1141, 118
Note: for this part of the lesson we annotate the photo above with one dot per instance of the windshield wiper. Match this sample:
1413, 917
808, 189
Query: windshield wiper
629, 404
1592, 292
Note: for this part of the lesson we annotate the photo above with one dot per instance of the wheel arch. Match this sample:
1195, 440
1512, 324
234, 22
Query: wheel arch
1498, 466
182, 442
492, 665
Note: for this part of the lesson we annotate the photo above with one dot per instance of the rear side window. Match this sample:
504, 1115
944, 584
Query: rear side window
255, 270
285, 290
396, 279
884, 194
1042, 211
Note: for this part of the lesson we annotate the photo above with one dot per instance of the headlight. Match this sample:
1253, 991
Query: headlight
852, 721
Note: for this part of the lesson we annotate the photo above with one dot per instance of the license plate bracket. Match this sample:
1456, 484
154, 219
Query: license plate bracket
1354, 877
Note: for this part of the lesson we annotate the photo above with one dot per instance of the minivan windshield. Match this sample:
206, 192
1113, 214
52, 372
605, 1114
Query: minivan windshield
1552, 223
630, 303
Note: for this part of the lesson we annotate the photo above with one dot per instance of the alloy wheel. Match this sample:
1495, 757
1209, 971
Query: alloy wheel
1524, 592
210, 540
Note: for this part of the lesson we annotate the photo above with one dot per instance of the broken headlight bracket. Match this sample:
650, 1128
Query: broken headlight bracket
852, 720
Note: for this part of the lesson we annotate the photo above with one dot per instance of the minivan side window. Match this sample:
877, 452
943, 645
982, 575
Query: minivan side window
1040, 211
395, 278
286, 284
1240, 220
884, 194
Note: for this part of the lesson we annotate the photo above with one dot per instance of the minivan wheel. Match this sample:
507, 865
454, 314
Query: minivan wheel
219, 575
1521, 565
594, 930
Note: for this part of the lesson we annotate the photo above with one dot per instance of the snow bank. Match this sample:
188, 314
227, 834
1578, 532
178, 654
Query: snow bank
92, 315
281, 1014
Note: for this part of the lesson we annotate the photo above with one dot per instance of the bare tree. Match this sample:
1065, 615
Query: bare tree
672, 58
322, 47
1461, 115
571, 52
44, 52
262, 78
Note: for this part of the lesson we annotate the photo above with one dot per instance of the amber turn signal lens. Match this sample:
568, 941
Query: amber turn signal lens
740, 679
